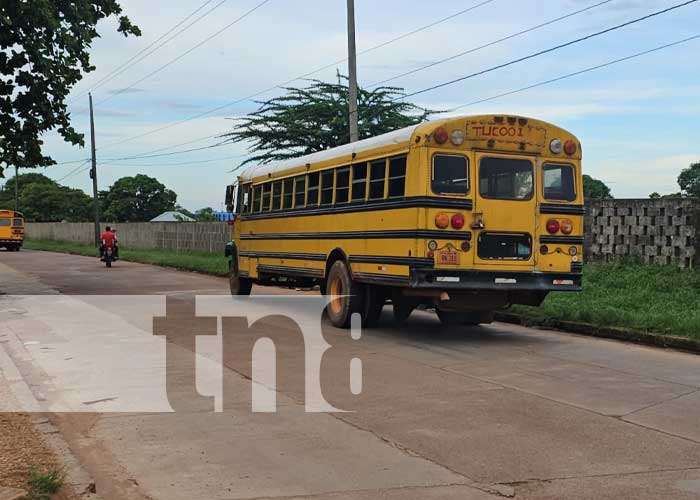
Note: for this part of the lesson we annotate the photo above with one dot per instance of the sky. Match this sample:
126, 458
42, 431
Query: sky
636, 120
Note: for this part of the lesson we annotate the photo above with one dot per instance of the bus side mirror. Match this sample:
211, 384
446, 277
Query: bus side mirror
229, 198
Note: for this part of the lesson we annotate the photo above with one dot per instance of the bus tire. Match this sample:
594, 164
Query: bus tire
347, 295
373, 305
238, 285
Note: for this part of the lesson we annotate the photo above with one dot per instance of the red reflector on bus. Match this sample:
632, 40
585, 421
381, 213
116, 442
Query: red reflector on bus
552, 226
457, 221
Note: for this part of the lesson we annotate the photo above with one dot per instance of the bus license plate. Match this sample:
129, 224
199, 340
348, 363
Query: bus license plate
450, 258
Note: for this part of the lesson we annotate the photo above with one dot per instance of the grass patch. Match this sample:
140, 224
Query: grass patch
42, 485
202, 262
658, 299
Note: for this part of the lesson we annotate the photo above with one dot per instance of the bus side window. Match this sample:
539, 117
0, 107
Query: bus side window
397, 176
287, 197
327, 187
299, 191
267, 188
342, 185
312, 199
245, 199
257, 198
359, 181
377, 174
276, 195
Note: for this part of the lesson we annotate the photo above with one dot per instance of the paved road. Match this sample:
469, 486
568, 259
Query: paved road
475, 413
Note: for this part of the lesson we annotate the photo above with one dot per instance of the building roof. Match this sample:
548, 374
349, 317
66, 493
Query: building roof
172, 216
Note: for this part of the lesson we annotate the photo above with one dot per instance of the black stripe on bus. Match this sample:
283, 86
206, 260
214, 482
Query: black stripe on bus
290, 271
353, 235
399, 261
563, 240
364, 206
381, 279
555, 208
283, 255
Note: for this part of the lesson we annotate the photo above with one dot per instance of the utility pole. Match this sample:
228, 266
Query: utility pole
352, 72
93, 176
16, 189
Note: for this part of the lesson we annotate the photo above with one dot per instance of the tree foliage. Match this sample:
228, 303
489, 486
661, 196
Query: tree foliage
689, 180
594, 189
136, 199
44, 200
315, 118
43, 54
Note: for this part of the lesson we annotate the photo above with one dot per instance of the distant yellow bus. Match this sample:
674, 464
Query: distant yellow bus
465, 215
11, 230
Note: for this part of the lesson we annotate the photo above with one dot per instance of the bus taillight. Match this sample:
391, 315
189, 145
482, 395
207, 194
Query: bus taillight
552, 226
457, 221
442, 221
566, 226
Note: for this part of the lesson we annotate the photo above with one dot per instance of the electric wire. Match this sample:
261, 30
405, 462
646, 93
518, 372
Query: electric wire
575, 73
128, 63
183, 54
547, 51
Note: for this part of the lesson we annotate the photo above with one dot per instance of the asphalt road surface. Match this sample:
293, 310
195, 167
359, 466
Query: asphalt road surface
465, 413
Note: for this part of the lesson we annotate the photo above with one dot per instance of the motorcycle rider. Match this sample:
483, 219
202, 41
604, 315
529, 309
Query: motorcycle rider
109, 240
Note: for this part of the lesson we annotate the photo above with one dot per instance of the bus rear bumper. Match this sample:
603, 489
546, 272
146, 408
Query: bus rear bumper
447, 279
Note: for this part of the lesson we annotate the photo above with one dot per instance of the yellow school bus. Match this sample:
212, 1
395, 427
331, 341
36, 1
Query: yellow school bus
11, 230
465, 215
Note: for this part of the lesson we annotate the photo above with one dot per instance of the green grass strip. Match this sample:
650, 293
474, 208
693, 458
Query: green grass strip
201, 262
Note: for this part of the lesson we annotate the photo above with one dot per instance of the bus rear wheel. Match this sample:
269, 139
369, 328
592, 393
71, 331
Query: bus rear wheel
375, 298
346, 295
238, 285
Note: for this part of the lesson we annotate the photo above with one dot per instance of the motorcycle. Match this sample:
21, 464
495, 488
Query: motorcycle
108, 256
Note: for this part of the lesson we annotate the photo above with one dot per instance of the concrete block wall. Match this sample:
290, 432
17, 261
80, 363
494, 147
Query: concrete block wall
178, 236
660, 231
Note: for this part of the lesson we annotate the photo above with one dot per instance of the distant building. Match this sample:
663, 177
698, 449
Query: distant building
172, 216
224, 216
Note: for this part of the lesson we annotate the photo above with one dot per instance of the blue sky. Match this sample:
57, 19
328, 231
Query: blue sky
636, 120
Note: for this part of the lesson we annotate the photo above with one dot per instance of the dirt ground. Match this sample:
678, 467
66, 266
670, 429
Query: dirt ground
21, 449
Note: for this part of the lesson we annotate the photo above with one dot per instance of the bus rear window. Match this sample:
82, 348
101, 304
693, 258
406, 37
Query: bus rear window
17, 223
558, 181
450, 174
505, 179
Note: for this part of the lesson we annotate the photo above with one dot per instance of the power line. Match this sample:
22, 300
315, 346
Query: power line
74, 171
576, 73
490, 44
549, 50
172, 61
291, 80
126, 158
126, 64
211, 160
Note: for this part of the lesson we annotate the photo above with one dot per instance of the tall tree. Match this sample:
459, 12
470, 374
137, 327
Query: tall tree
43, 54
44, 200
689, 180
594, 189
311, 119
137, 199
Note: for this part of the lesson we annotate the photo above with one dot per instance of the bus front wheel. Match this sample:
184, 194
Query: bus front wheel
346, 295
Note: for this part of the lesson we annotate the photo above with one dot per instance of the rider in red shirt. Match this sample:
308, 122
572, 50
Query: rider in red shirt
109, 240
